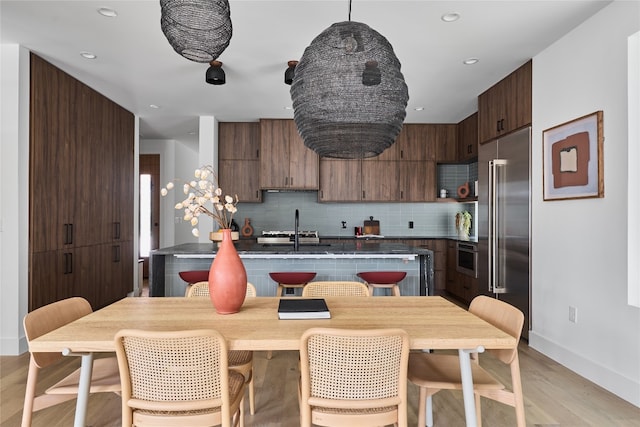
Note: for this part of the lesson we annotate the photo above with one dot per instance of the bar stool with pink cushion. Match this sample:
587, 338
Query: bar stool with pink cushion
193, 276
291, 279
383, 279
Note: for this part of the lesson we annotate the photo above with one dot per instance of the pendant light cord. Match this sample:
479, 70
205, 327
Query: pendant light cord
349, 10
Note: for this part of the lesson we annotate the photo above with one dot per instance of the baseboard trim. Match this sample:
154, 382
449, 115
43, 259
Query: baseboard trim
625, 388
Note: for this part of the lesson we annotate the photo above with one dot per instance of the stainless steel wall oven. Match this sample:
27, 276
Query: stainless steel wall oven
467, 258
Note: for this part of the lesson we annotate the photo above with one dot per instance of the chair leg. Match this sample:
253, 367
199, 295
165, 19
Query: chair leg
478, 411
29, 394
252, 398
516, 384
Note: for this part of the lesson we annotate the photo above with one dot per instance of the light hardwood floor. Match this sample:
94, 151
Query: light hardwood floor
554, 396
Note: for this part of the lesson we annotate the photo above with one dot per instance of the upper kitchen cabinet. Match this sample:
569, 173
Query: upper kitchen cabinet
340, 180
445, 138
422, 142
506, 106
285, 162
468, 138
239, 160
417, 181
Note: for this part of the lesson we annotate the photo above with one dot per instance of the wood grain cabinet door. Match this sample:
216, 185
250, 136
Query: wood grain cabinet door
340, 180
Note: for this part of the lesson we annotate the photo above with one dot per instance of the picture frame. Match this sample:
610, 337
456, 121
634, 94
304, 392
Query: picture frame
573, 164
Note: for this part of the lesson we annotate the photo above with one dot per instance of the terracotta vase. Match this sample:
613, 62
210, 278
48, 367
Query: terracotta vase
227, 277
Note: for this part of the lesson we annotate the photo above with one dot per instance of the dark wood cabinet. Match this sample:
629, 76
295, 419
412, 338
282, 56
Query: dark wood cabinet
81, 190
380, 181
445, 137
468, 138
239, 160
285, 162
417, 181
440, 262
340, 180
405, 172
506, 106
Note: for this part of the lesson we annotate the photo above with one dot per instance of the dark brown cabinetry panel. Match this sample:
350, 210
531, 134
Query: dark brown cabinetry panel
239, 164
506, 106
340, 180
286, 163
468, 138
446, 141
81, 190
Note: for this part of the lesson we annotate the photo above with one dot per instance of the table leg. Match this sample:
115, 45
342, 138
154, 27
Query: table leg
83, 390
467, 385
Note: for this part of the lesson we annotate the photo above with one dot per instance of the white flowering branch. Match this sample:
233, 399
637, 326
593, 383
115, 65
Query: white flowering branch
200, 192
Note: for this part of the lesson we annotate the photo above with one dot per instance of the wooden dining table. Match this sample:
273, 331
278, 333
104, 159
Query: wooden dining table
431, 322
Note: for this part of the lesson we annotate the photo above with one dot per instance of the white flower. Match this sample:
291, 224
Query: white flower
200, 193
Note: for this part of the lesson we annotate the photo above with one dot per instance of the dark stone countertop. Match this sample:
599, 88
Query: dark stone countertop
247, 246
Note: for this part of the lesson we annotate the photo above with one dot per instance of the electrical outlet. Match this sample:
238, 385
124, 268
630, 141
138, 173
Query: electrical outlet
289, 291
410, 224
573, 314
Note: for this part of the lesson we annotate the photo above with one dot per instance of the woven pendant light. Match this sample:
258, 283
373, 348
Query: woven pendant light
199, 30
349, 96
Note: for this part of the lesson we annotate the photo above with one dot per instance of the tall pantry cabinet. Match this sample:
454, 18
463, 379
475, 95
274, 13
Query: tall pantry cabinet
81, 174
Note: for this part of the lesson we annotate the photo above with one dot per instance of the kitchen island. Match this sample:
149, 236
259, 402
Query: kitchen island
334, 261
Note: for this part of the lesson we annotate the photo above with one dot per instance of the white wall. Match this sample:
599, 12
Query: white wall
579, 246
14, 203
176, 160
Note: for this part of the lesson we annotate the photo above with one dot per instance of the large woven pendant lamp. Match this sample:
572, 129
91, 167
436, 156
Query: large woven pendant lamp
199, 30
349, 96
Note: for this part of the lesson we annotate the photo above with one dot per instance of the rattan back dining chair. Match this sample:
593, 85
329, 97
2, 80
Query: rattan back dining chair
433, 372
352, 377
335, 289
239, 360
201, 289
104, 378
177, 378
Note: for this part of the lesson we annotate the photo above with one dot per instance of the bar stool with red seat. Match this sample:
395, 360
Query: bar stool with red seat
291, 279
193, 276
383, 279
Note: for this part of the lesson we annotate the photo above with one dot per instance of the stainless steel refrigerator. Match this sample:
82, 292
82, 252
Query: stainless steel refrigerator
504, 220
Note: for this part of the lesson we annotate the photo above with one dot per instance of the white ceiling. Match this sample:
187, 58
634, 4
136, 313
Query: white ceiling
136, 67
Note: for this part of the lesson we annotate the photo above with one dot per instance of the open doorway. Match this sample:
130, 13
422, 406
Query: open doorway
149, 220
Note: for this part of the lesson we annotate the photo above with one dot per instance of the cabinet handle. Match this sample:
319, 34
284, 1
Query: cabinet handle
257, 153
401, 194
257, 194
286, 180
116, 253
116, 230
68, 263
498, 126
402, 154
69, 239
363, 196
291, 181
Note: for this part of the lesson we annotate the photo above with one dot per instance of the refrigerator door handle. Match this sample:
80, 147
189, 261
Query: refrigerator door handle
495, 285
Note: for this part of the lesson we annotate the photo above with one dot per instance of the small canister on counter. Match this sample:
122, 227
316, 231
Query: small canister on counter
358, 231
443, 193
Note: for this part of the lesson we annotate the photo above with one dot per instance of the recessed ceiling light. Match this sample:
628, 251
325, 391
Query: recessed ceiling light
288, 108
88, 55
450, 17
109, 13
470, 61
154, 106
419, 108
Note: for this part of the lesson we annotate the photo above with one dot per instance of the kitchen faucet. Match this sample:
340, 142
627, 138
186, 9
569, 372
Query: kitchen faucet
296, 237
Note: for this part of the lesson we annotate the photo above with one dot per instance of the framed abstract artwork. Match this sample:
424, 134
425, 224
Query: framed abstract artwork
573, 159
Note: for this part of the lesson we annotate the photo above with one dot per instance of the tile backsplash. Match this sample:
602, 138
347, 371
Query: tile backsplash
277, 213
